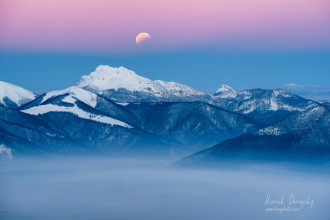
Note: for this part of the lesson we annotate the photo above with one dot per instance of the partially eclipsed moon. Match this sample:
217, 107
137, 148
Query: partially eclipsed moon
141, 37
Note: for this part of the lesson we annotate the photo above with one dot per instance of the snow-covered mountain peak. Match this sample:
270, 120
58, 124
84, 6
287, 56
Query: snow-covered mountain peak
225, 92
106, 77
128, 86
73, 93
14, 96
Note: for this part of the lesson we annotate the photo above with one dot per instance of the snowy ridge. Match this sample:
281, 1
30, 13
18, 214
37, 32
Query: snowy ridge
71, 95
15, 94
270, 105
107, 78
74, 93
298, 123
274, 102
43, 109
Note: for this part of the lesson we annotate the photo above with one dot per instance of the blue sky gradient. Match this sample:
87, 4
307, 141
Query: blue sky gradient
204, 69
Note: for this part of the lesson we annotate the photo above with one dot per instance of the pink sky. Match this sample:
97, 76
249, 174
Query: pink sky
111, 25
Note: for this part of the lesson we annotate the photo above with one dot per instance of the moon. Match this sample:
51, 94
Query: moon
141, 37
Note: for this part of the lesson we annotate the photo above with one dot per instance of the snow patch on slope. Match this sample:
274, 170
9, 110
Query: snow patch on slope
275, 131
43, 109
74, 93
14, 93
245, 94
122, 103
281, 92
5, 152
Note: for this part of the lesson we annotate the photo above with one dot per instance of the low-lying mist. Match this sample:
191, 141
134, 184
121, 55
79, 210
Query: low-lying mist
101, 188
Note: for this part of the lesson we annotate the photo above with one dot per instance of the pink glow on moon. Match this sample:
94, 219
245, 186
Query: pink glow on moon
141, 37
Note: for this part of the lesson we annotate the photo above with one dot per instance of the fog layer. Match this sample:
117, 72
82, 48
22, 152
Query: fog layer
99, 188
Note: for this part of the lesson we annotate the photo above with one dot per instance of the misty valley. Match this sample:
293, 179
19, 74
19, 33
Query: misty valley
103, 188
